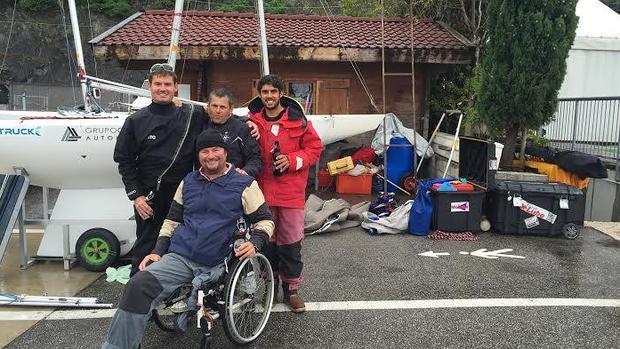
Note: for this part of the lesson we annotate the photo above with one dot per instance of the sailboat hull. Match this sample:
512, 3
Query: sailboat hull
76, 153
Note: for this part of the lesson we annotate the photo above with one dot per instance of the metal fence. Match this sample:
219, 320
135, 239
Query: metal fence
50, 97
590, 125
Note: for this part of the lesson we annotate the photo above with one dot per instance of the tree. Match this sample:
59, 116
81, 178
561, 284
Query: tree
613, 4
524, 65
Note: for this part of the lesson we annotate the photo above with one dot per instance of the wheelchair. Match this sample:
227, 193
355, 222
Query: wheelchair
243, 298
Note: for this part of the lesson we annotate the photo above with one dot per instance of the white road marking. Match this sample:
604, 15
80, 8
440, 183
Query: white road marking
433, 254
352, 305
484, 253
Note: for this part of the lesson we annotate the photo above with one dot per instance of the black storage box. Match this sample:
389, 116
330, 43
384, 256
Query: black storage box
546, 209
462, 211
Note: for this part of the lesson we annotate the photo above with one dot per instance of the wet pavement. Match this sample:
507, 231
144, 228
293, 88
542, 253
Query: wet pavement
350, 265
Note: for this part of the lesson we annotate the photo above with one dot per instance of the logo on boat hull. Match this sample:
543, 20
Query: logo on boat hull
17, 131
70, 135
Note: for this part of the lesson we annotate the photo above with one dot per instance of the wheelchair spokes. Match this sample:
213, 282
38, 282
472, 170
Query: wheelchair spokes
249, 296
244, 302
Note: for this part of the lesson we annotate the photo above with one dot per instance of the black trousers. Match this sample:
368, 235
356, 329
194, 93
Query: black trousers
147, 230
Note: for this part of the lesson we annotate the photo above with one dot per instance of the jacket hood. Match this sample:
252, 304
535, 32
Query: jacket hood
295, 110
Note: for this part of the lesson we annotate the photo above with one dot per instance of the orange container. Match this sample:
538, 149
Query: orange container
361, 184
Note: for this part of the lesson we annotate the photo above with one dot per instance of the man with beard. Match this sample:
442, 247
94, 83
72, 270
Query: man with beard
195, 239
154, 151
288, 142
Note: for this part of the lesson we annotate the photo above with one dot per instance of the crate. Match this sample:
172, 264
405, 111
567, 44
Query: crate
462, 211
523, 208
457, 211
361, 184
340, 165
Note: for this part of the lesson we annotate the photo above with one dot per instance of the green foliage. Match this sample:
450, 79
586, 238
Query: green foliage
372, 8
37, 6
161, 4
613, 4
538, 140
112, 8
270, 6
456, 89
524, 62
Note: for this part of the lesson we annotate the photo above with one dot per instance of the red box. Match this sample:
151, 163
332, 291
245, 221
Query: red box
325, 180
361, 184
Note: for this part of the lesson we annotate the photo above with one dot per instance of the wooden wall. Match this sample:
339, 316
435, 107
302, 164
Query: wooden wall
238, 77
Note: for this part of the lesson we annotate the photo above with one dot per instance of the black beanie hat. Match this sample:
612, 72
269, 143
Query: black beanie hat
210, 138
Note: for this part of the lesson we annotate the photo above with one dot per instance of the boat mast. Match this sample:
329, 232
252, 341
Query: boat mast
79, 55
176, 33
264, 55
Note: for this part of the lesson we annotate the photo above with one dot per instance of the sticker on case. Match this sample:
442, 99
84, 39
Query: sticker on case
531, 222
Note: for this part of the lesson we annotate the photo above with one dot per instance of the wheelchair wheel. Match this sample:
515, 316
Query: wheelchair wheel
248, 297
165, 315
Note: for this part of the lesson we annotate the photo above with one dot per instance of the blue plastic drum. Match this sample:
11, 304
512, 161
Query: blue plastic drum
399, 161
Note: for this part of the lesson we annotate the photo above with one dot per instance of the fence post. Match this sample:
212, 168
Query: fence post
618, 157
24, 101
572, 145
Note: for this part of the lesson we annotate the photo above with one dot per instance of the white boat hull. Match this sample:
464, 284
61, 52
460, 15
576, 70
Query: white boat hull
76, 153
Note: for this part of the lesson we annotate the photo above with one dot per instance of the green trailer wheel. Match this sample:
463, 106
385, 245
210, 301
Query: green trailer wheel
97, 249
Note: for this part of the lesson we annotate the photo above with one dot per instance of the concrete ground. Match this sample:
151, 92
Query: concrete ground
378, 292
610, 228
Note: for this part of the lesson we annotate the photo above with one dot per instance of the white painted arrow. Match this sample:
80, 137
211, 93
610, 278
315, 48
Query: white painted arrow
484, 253
433, 254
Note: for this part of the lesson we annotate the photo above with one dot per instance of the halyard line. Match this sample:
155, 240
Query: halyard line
351, 305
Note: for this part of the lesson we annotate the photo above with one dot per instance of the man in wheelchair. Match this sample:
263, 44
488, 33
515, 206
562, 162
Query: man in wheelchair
195, 239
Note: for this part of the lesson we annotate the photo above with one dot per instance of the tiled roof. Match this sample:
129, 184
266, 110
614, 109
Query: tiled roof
202, 28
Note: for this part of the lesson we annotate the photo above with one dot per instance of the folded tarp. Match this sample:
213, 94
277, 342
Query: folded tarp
397, 222
581, 164
394, 126
323, 216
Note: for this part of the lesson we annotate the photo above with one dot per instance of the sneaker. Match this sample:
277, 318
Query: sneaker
179, 307
296, 303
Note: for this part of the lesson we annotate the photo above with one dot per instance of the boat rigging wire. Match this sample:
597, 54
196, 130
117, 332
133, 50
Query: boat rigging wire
354, 65
90, 20
189, 30
8, 43
69, 52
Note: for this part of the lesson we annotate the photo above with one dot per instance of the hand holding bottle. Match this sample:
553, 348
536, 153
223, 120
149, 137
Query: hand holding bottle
280, 161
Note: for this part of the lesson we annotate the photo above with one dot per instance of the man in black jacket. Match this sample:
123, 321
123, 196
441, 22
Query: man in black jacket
154, 151
243, 150
152, 158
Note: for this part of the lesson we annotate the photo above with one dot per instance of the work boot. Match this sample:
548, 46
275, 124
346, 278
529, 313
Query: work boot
296, 303
292, 299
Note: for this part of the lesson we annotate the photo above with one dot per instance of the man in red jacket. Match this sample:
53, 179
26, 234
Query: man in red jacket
291, 145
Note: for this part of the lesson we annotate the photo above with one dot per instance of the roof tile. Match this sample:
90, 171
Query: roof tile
240, 29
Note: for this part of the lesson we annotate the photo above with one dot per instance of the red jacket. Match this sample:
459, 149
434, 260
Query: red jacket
298, 141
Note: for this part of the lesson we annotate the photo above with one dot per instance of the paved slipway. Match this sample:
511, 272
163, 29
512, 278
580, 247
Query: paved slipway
367, 291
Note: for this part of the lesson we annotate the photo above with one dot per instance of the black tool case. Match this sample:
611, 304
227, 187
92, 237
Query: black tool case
546, 209
462, 211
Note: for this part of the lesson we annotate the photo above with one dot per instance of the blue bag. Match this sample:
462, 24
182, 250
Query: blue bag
422, 209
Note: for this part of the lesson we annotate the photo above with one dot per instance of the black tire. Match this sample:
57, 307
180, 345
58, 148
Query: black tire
570, 231
97, 249
409, 182
247, 306
166, 319
205, 343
